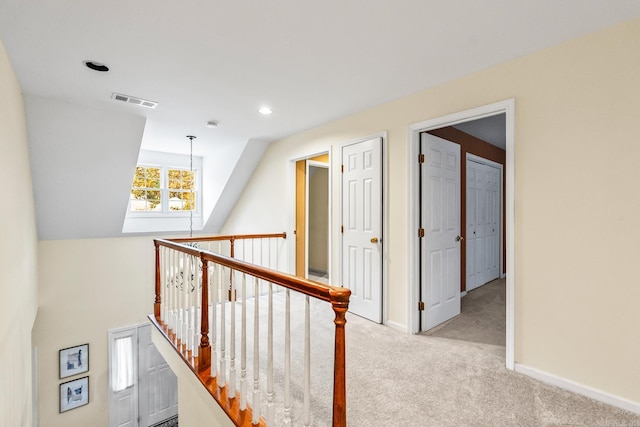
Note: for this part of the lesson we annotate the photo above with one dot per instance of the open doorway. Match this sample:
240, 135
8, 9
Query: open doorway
317, 226
436, 275
312, 207
482, 314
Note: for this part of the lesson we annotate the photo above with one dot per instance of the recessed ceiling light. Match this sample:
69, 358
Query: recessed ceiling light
265, 110
96, 66
212, 124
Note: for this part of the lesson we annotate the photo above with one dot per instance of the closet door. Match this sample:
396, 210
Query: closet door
483, 223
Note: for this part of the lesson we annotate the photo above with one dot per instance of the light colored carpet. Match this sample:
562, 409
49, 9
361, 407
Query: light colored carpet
398, 379
482, 316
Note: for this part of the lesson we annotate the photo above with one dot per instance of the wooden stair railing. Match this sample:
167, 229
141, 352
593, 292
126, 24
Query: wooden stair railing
245, 254
199, 355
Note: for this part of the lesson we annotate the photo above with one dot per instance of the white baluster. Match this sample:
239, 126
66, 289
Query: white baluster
185, 299
176, 292
179, 281
276, 248
214, 319
232, 352
164, 297
169, 268
270, 393
306, 411
243, 346
287, 359
222, 378
244, 254
189, 307
256, 356
209, 307
197, 297
172, 295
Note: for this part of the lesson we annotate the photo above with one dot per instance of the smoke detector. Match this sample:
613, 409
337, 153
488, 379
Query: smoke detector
134, 100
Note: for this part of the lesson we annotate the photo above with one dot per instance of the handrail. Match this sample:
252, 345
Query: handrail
337, 296
227, 237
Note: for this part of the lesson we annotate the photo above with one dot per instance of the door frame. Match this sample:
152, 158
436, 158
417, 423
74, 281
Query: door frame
506, 107
291, 226
478, 159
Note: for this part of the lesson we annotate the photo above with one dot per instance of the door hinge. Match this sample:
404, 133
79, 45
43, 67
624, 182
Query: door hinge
342, 229
421, 158
342, 168
420, 232
421, 305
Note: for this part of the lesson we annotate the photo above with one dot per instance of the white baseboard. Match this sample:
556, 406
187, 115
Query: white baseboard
584, 390
463, 294
397, 326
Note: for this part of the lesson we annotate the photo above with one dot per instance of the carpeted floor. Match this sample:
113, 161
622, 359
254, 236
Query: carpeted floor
482, 316
395, 379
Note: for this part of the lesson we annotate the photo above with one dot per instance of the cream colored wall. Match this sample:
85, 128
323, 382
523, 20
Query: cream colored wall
86, 288
576, 156
18, 256
318, 220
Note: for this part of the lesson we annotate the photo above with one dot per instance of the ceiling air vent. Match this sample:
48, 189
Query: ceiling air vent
134, 100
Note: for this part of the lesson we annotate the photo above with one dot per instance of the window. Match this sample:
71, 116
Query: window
181, 190
146, 194
165, 194
122, 363
163, 189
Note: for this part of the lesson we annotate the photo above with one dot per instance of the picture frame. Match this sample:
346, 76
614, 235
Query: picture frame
74, 360
74, 393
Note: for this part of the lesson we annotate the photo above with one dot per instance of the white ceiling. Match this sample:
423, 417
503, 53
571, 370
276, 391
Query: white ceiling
312, 61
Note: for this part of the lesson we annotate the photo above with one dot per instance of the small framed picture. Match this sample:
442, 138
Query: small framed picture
74, 393
74, 360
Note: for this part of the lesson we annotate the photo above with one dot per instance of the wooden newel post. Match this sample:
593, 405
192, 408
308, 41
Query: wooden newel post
204, 353
156, 304
340, 304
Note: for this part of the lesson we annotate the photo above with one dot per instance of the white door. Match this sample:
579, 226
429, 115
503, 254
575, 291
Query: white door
158, 385
362, 227
142, 388
483, 223
123, 373
440, 218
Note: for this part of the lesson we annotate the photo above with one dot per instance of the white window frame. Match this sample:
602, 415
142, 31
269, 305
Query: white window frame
164, 193
170, 221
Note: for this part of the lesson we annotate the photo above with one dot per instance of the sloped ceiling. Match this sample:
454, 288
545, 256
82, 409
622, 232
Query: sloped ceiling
311, 61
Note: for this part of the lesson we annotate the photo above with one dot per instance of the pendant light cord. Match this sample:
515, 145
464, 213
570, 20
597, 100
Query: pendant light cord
193, 181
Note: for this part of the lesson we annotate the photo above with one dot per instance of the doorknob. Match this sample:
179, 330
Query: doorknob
374, 240
459, 238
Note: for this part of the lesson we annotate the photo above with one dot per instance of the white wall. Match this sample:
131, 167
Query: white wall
18, 256
576, 198
223, 190
83, 160
86, 288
